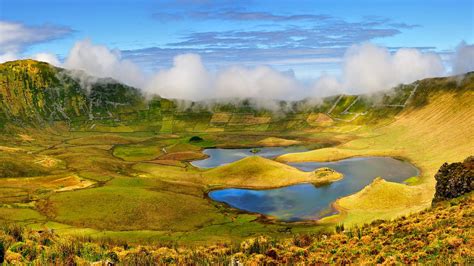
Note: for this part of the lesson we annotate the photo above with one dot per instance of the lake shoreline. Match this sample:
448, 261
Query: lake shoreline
409, 170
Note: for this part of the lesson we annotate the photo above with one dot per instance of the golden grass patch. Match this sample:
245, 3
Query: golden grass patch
72, 182
258, 172
10, 149
48, 161
52, 182
249, 119
277, 142
25, 137
319, 119
183, 156
168, 162
222, 117
387, 194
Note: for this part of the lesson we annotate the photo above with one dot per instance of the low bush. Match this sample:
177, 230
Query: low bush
454, 180
195, 139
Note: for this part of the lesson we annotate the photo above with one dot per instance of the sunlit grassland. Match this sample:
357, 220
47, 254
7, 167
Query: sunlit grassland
140, 186
132, 206
136, 199
277, 142
138, 152
379, 200
126, 173
439, 132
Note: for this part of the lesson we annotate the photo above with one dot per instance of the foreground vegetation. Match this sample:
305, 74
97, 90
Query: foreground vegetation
442, 234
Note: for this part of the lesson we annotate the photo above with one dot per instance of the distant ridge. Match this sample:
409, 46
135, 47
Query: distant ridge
35, 93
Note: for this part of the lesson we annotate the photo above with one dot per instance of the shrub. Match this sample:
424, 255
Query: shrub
15, 231
339, 228
195, 139
113, 257
454, 180
140, 257
255, 150
303, 240
2, 251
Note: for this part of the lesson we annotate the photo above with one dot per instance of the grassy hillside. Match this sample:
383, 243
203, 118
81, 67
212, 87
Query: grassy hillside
442, 234
33, 93
101, 161
434, 129
258, 172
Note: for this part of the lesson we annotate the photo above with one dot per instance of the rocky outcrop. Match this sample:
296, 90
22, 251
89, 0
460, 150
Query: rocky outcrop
454, 180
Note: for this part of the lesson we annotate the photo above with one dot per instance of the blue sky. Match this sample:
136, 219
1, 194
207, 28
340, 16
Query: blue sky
306, 37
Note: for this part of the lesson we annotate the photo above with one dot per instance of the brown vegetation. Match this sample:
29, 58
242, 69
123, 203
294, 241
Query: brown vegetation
454, 180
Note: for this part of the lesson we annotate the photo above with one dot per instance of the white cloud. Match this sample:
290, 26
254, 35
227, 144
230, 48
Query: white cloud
463, 59
100, 61
368, 68
9, 56
411, 64
259, 82
15, 36
326, 85
186, 79
189, 79
48, 58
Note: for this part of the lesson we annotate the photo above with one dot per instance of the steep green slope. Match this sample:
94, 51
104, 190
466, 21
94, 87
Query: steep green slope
33, 93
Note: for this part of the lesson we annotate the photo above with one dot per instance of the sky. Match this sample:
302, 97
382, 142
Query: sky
304, 43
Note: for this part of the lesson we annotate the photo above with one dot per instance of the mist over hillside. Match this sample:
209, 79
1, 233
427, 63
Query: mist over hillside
33, 92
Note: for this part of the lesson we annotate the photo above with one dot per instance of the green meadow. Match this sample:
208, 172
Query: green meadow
129, 176
136, 191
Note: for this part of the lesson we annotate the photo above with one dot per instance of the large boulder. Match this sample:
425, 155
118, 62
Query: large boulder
454, 180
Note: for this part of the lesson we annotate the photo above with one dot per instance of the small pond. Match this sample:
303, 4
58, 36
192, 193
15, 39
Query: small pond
219, 157
307, 202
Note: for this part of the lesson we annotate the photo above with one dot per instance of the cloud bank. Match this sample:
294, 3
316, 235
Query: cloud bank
187, 79
463, 59
48, 58
100, 61
365, 68
368, 68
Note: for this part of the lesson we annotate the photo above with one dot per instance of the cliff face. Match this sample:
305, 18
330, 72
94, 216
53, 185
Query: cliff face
36, 92
454, 180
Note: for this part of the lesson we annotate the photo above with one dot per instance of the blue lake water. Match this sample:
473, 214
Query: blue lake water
305, 201
219, 157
